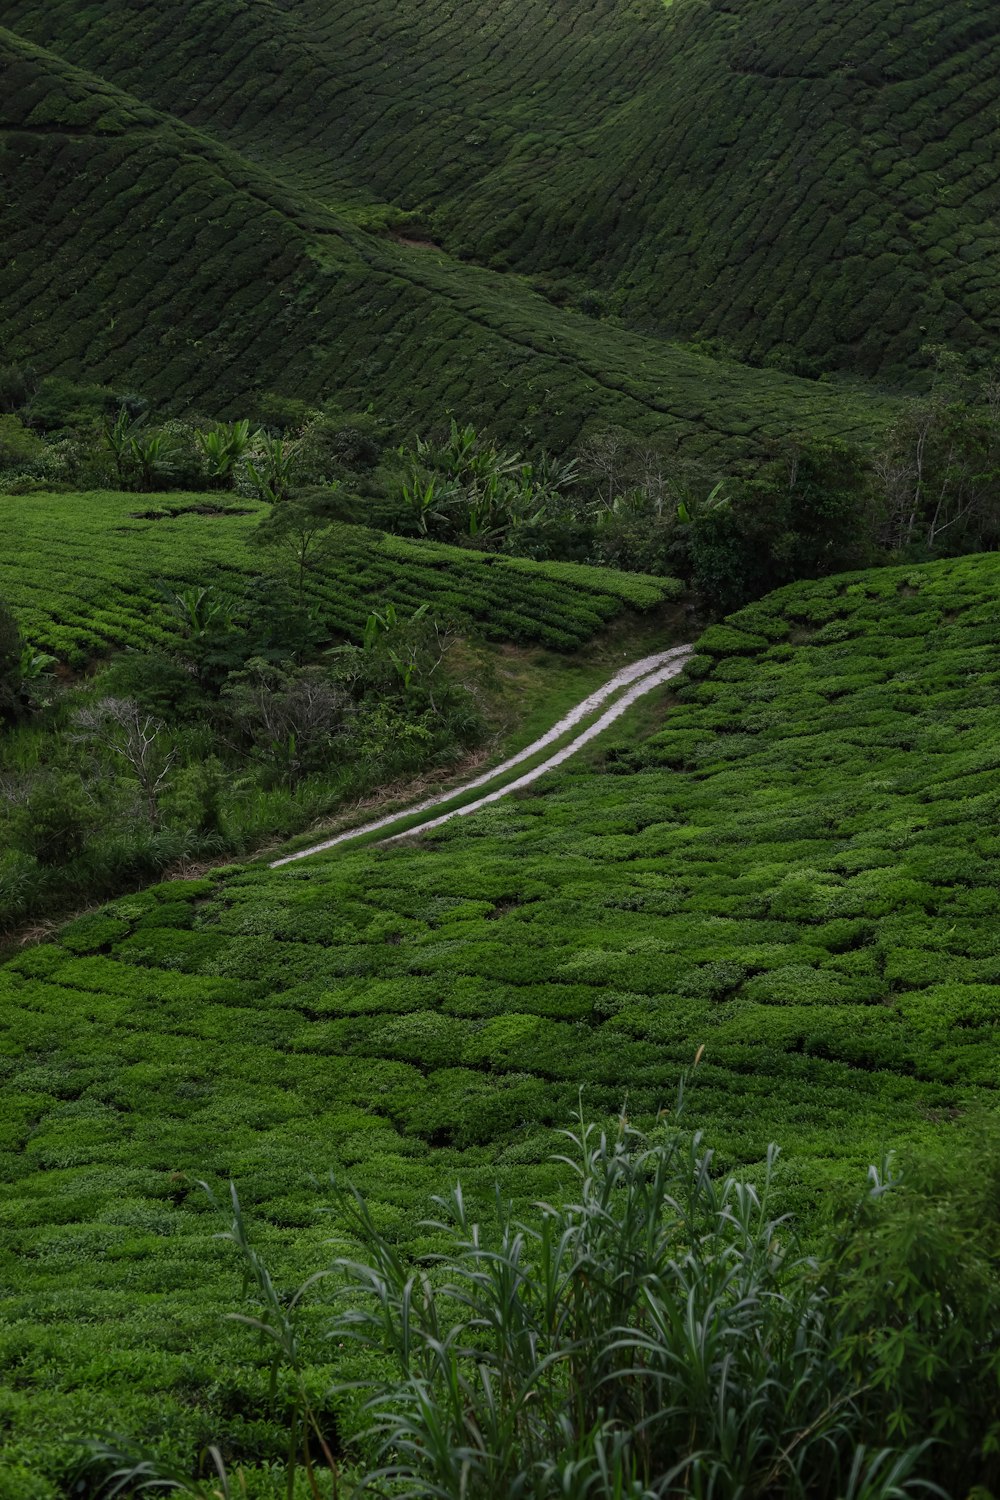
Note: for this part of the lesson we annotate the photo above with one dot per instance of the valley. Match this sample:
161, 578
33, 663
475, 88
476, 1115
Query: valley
499, 707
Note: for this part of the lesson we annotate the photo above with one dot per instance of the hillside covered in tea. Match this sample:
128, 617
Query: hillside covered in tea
799, 872
142, 249
499, 635
812, 186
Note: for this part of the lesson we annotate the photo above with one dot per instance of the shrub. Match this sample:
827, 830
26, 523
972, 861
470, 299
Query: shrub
11, 652
660, 1334
53, 821
915, 1280
20, 448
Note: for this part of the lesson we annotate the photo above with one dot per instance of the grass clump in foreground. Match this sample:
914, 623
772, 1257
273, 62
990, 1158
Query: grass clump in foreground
663, 1332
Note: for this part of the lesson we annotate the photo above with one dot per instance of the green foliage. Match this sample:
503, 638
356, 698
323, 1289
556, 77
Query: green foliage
805, 514
279, 289
300, 533
916, 1288
16, 385
290, 715
271, 468
58, 404
223, 446
151, 456
53, 820
937, 477
19, 447
332, 444
466, 487
797, 868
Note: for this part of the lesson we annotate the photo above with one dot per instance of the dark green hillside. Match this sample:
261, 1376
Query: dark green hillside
800, 870
814, 185
138, 250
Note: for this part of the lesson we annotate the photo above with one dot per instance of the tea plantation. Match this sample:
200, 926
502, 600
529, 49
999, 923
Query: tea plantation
799, 870
139, 249
85, 573
811, 185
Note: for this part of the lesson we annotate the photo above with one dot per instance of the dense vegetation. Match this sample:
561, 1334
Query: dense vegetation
811, 186
798, 870
809, 506
362, 370
139, 249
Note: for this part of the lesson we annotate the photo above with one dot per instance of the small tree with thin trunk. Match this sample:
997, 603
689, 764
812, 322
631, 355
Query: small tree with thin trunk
300, 533
136, 739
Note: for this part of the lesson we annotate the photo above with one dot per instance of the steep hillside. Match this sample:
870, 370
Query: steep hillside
799, 871
139, 250
814, 186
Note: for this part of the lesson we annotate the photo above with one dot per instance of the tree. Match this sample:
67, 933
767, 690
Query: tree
938, 476
136, 739
804, 514
292, 715
52, 818
11, 652
300, 532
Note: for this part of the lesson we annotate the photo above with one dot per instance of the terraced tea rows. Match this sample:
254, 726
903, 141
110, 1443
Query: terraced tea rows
138, 251
83, 574
799, 871
815, 186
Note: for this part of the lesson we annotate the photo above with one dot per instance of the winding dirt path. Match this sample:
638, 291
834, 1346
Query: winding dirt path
636, 680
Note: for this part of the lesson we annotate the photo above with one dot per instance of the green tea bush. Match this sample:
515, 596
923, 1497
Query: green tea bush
88, 574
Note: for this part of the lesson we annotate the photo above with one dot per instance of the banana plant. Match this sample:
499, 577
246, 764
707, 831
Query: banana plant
150, 455
223, 446
273, 474
427, 499
35, 665
119, 437
716, 499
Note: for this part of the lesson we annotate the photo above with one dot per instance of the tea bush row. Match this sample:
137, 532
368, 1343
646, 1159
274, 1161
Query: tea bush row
83, 573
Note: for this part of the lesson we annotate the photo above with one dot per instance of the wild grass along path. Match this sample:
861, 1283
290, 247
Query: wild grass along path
639, 678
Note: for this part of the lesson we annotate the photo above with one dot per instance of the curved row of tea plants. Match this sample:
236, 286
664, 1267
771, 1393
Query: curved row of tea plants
83, 573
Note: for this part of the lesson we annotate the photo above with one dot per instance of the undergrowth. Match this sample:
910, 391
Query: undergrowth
659, 1331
